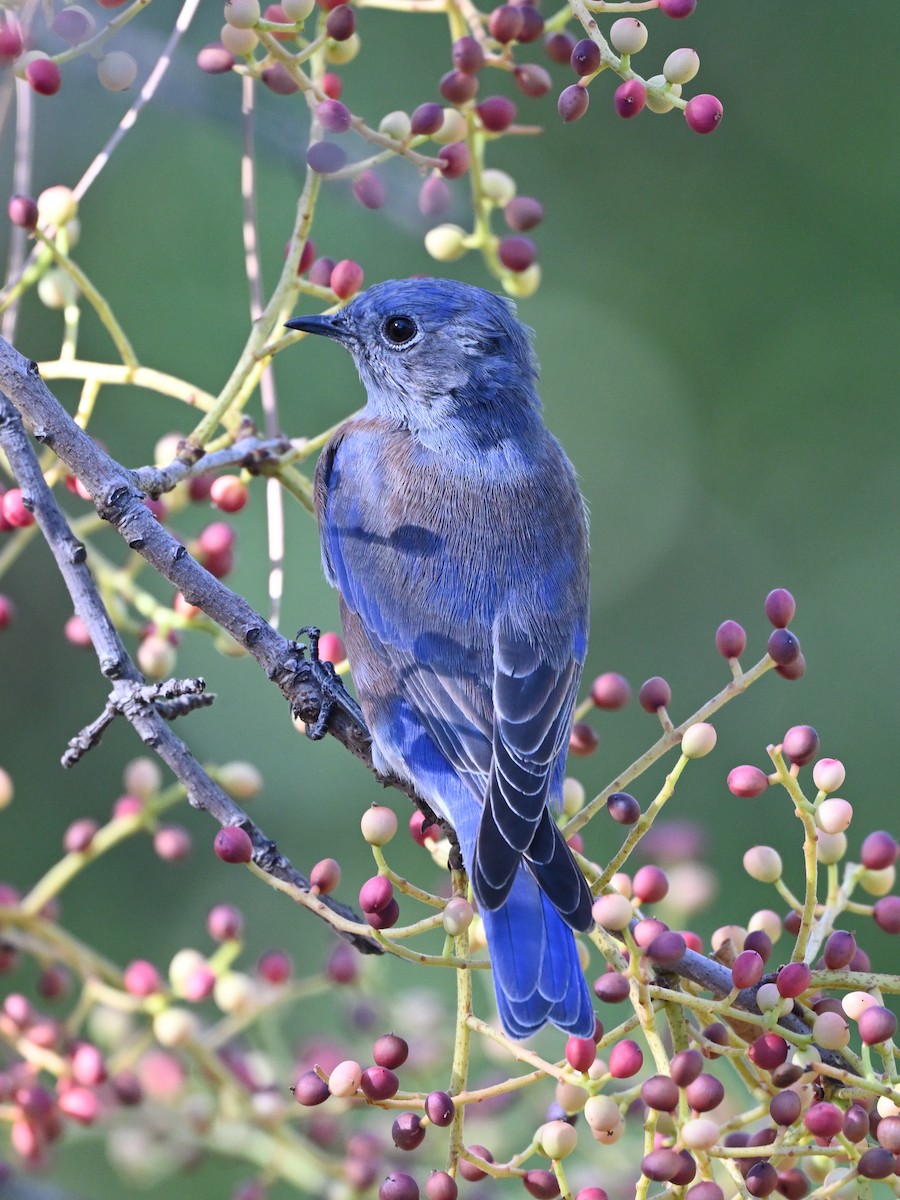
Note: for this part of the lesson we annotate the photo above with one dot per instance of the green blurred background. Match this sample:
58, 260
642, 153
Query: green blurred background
718, 334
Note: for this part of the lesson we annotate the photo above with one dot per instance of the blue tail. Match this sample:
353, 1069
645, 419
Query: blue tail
537, 975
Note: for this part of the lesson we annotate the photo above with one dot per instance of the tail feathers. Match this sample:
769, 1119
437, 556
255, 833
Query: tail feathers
537, 974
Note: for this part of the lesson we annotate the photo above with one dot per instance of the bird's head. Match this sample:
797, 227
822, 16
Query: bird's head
433, 350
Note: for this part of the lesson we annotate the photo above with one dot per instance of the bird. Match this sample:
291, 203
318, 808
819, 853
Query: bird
452, 526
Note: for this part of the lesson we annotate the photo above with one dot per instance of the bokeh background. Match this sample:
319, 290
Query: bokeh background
718, 333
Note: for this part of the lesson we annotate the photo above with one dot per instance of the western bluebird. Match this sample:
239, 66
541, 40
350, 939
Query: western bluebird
452, 527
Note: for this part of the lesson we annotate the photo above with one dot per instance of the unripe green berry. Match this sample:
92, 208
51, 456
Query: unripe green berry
242, 14
446, 242
117, 70
498, 186
458, 915
239, 42
56, 289
57, 206
297, 10
660, 93
573, 796
878, 883
395, 125
557, 1139
342, 52
698, 740
628, 35
763, 863
378, 825
681, 66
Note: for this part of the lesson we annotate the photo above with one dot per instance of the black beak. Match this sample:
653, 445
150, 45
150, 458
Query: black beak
333, 326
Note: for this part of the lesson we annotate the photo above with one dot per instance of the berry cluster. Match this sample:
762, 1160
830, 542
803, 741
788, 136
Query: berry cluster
74, 28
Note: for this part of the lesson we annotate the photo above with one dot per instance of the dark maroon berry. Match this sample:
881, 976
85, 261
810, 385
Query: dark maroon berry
686, 1066
408, 1132
800, 744
792, 1184
385, 918
877, 1024
612, 987
543, 1184
378, 1083
505, 23
399, 1186
455, 158
661, 1165
582, 740
456, 87
623, 808
731, 640
705, 1093
783, 647
426, 120
467, 55
856, 1123
768, 1051
780, 607
879, 850
785, 1107
747, 969
793, 980
876, 1163
660, 1092
666, 948
761, 1180
759, 940
654, 694
887, 914
585, 58
390, 1050
792, 670
517, 253
340, 23
532, 80
532, 23
838, 951
496, 113
23, 211
310, 1089
559, 47
439, 1108
523, 213
573, 102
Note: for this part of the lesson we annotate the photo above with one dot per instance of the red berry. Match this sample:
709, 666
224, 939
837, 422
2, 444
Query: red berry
496, 113
15, 511
7, 612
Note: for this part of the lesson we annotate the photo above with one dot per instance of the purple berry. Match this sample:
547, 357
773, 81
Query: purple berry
455, 158
408, 1132
532, 80
611, 987
623, 808
390, 1050
369, 189
467, 55
505, 23
747, 969
838, 951
793, 980
731, 639
705, 1093
399, 1186
325, 157
439, 1109
23, 211
800, 744
426, 120
762, 1179
666, 948
543, 1185
879, 850
340, 24
877, 1024
573, 102
768, 1051
532, 23
378, 1083
876, 1163
654, 694
686, 1066
660, 1092
559, 47
780, 607
456, 87
887, 914
824, 1120
233, 845
783, 647
661, 1165
334, 116
785, 1107
585, 57
441, 1186
310, 1089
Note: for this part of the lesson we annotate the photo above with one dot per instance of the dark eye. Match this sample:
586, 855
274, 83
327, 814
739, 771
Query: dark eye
399, 330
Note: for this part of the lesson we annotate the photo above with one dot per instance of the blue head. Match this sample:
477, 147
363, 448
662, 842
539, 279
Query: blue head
433, 351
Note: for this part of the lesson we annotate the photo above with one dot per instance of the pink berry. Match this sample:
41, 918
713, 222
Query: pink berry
214, 59
626, 1059
747, 781
141, 978
573, 102
229, 493
22, 210
11, 42
879, 850
455, 158
650, 884
731, 639
610, 691
346, 278
780, 607
15, 510
225, 923
7, 612
703, 113
580, 1053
